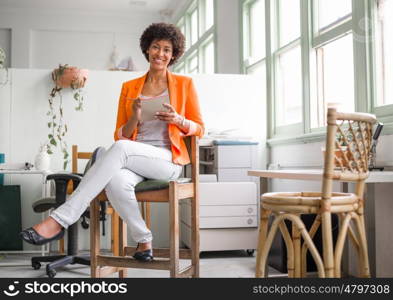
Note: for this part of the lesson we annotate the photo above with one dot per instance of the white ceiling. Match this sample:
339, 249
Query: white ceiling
108, 6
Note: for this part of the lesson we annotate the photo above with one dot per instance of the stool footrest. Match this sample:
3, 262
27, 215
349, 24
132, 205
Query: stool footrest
161, 252
129, 262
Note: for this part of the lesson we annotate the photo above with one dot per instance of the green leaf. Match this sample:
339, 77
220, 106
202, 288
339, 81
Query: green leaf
49, 124
49, 151
53, 142
50, 136
65, 165
65, 155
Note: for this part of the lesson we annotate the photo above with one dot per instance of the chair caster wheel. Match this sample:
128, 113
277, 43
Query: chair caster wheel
250, 252
36, 265
85, 225
51, 273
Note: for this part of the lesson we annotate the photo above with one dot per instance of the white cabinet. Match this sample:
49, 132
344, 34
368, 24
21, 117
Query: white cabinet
229, 208
229, 162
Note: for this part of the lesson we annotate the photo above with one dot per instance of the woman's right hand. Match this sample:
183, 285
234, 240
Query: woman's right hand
137, 109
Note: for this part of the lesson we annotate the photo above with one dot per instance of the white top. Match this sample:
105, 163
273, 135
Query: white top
154, 132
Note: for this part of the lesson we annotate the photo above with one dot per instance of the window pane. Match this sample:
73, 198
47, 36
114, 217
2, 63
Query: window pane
193, 64
289, 15
257, 29
330, 11
384, 52
194, 26
257, 69
335, 86
209, 13
289, 88
179, 68
209, 58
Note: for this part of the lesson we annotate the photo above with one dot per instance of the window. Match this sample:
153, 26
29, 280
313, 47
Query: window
332, 66
288, 13
319, 52
194, 26
384, 52
197, 24
334, 88
254, 32
289, 88
288, 66
208, 58
332, 12
193, 64
209, 14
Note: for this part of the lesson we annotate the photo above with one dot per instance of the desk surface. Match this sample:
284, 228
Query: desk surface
316, 174
5, 171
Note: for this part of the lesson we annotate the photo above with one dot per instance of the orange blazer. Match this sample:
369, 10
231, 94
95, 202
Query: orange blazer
182, 96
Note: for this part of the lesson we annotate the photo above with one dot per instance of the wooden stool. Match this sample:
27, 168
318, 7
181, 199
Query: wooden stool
348, 145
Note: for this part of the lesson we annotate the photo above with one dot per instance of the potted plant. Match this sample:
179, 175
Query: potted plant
64, 77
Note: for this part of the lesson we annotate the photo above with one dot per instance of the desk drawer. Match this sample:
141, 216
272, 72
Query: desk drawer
219, 211
227, 193
222, 216
228, 222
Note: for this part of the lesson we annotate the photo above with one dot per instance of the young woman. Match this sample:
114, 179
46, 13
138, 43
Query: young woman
143, 149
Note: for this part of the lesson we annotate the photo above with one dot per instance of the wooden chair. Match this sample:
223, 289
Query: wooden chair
109, 210
164, 258
348, 145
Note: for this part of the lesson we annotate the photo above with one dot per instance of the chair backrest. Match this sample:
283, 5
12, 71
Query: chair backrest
78, 155
348, 146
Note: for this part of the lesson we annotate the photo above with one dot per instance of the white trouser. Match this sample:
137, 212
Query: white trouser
119, 170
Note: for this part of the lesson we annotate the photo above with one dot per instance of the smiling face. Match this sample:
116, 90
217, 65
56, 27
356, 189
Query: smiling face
160, 54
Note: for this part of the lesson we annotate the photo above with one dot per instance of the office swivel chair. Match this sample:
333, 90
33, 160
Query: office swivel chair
42, 205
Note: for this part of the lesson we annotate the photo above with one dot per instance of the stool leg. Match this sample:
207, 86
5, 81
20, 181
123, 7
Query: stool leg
267, 245
174, 229
261, 240
297, 252
94, 238
364, 268
115, 233
148, 215
122, 243
195, 242
289, 243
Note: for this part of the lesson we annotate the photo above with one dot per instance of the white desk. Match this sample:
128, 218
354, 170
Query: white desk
44, 193
380, 242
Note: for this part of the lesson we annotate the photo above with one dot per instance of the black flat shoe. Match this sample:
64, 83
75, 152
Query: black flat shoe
31, 236
144, 256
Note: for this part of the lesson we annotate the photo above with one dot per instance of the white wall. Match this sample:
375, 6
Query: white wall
227, 101
43, 39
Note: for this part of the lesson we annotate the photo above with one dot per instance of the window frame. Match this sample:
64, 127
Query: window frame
384, 113
204, 36
361, 23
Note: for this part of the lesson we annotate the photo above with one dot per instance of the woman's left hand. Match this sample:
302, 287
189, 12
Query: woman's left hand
170, 116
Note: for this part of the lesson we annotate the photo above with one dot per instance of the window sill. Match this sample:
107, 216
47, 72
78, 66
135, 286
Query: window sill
319, 136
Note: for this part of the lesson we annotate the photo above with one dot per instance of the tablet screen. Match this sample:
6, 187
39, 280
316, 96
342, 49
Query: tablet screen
152, 105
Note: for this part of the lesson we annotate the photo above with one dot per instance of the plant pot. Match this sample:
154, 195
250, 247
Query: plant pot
73, 77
